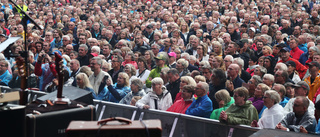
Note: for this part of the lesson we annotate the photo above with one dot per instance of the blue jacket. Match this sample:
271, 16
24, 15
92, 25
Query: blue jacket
100, 96
303, 58
116, 93
303, 47
201, 107
5, 78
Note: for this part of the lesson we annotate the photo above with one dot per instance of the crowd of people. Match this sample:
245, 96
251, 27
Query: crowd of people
240, 62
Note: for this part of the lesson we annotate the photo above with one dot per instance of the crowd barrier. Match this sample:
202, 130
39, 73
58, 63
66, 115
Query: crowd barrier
173, 124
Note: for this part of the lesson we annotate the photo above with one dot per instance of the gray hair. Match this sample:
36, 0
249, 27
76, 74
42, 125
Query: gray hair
173, 71
184, 62
239, 61
133, 70
185, 55
282, 66
229, 56
66, 36
99, 60
315, 49
257, 79
96, 48
269, 76
193, 58
262, 69
157, 80
137, 82
204, 86
274, 95
84, 46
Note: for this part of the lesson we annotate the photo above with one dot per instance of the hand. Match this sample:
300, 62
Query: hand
108, 82
49, 58
279, 126
254, 123
223, 115
146, 107
55, 82
230, 86
303, 130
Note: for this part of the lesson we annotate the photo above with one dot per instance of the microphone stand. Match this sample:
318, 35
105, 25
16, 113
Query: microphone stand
25, 54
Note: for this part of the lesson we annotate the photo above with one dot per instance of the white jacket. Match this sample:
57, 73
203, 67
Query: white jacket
163, 103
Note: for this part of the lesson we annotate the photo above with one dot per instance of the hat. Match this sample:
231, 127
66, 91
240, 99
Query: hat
281, 45
161, 57
313, 63
149, 26
285, 49
288, 84
302, 84
290, 63
255, 7
73, 20
172, 54
252, 29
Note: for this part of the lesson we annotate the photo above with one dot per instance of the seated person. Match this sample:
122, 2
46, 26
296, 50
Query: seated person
225, 101
242, 111
256, 100
159, 97
136, 90
119, 90
202, 106
300, 117
182, 104
273, 114
5, 76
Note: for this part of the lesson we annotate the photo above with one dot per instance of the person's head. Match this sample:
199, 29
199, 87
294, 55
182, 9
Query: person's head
187, 92
270, 98
233, 70
3, 66
291, 66
268, 79
223, 95
83, 50
116, 61
173, 75
228, 59
281, 76
161, 59
260, 71
301, 89
83, 81
285, 54
182, 64
201, 89
313, 68
123, 79
187, 80
240, 96
96, 64
300, 106
218, 77
74, 65
136, 85
280, 66
130, 70
157, 84
259, 91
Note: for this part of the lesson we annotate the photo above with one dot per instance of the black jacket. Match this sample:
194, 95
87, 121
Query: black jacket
174, 88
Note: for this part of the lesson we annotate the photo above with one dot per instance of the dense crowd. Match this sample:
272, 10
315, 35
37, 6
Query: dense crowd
240, 62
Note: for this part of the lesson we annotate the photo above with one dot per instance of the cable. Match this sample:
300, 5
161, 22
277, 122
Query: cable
147, 130
98, 132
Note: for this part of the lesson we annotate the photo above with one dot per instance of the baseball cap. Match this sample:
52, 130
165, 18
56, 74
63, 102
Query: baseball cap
314, 63
161, 57
290, 63
285, 49
302, 84
253, 29
288, 84
149, 26
281, 45
73, 20
173, 54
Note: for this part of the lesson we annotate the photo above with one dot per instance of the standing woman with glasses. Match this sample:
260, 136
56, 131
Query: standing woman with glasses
149, 56
142, 71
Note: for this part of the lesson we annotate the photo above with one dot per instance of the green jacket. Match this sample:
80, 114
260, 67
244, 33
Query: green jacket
244, 114
216, 113
154, 73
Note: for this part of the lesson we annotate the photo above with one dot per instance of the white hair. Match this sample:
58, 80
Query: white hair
95, 49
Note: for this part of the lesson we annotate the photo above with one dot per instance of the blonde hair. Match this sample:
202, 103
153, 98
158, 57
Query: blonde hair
125, 77
223, 95
200, 78
85, 79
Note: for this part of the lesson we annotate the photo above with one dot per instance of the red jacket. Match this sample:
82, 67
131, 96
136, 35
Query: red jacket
180, 106
299, 67
296, 53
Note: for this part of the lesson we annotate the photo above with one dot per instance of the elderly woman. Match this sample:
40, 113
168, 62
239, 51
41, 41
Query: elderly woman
182, 67
256, 100
242, 111
119, 90
260, 71
129, 59
273, 114
185, 80
136, 90
225, 101
182, 105
159, 97
142, 71
131, 71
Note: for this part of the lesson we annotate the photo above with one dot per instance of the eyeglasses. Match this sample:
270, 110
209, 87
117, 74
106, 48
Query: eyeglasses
48, 35
264, 97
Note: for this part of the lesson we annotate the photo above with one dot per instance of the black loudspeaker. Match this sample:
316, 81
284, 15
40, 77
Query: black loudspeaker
54, 124
13, 121
73, 93
278, 133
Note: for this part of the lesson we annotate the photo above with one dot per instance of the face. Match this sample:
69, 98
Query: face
82, 51
232, 71
120, 80
266, 63
147, 55
115, 63
94, 65
127, 69
258, 92
298, 108
200, 50
134, 88
74, 66
199, 91
237, 99
186, 95
316, 58
79, 82
206, 73
157, 88
299, 91
267, 101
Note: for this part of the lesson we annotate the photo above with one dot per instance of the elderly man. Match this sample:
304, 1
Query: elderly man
233, 76
83, 57
300, 117
301, 89
202, 106
242, 111
174, 82
97, 78
268, 79
75, 68
5, 76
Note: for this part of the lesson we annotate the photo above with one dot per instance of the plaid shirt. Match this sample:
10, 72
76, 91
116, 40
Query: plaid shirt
127, 99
